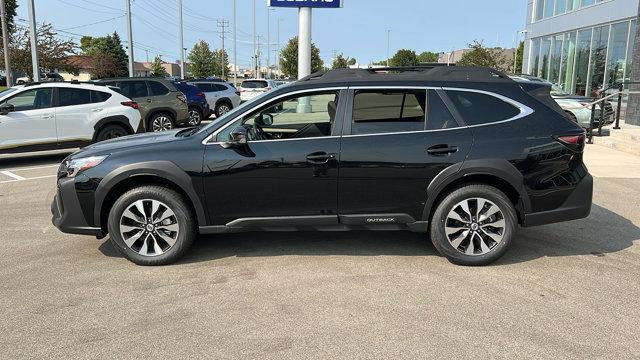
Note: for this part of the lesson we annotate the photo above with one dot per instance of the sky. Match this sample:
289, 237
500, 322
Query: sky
358, 30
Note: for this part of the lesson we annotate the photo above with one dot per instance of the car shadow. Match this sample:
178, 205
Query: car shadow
601, 233
9, 161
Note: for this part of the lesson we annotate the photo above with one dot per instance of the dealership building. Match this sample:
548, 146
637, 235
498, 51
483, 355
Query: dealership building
583, 45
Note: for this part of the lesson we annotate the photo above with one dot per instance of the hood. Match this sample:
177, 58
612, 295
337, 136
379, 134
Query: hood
125, 142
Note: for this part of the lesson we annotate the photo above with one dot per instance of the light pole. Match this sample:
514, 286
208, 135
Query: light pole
235, 46
181, 41
255, 49
5, 43
130, 37
269, 10
388, 42
34, 42
278, 73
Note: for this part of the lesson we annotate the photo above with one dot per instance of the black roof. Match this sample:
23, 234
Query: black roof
413, 73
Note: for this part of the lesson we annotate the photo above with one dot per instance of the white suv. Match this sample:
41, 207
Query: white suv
251, 88
45, 116
222, 97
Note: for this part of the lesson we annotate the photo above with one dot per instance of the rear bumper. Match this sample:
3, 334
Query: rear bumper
66, 212
577, 206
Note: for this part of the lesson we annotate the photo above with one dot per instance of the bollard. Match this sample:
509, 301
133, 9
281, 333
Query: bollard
602, 108
593, 115
620, 90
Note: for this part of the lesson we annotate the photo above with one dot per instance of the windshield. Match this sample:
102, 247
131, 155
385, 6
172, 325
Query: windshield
6, 92
235, 112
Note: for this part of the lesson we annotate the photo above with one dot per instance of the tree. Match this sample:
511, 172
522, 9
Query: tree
202, 60
519, 57
109, 47
157, 70
352, 62
52, 51
340, 62
404, 57
10, 7
484, 57
289, 58
221, 62
428, 57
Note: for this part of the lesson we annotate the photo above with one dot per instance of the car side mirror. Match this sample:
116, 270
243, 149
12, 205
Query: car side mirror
237, 138
265, 119
6, 108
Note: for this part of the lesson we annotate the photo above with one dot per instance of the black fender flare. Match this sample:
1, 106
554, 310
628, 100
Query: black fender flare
499, 168
224, 99
162, 169
115, 119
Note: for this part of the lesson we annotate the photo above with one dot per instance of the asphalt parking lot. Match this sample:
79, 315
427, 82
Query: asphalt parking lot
568, 291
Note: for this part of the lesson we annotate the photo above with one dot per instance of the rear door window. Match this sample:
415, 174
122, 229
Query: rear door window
480, 108
134, 89
99, 96
376, 111
70, 97
157, 88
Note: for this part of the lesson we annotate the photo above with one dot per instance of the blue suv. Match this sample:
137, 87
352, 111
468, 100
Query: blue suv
197, 102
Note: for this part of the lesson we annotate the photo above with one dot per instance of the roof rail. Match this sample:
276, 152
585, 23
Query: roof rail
32, 83
427, 72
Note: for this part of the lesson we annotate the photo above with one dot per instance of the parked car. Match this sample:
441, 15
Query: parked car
196, 101
251, 88
51, 77
464, 154
162, 105
222, 96
577, 107
44, 116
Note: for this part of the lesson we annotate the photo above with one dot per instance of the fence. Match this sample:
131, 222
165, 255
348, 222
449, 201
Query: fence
620, 92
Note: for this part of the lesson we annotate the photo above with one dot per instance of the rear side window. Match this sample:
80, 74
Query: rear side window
254, 84
99, 96
438, 116
219, 87
69, 96
157, 88
479, 108
377, 112
133, 89
204, 87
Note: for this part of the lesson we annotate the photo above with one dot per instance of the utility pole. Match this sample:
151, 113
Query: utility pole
258, 58
278, 73
304, 53
5, 43
181, 41
130, 37
34, 42
235, 46
255, 49
268, 40
222, 24
388, 42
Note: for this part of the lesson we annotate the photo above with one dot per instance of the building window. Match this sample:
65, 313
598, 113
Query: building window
634, 29
535, 57
539, 9
548, 8
568, 61
583, 50
617, 56
545, 49
561, 6
598, 59
555, 59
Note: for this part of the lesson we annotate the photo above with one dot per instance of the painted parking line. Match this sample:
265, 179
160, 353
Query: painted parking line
12, 175
25, 179
34, 168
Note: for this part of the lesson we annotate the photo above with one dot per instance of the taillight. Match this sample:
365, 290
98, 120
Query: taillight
182, 98
132, 104
573, 139
574, 142
199, 93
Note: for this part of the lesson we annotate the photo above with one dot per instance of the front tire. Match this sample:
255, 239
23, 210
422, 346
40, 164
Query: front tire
222, 108
151, 225
473, 225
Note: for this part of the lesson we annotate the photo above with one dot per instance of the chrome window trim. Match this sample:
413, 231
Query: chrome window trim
524, 109
215, 133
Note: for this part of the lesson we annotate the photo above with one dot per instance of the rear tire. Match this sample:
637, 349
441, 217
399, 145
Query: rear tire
161, 122
222, 108
195, 116
151, 225
473, 225
111, 132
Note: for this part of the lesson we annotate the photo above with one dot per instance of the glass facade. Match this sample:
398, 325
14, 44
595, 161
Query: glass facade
585, 61
548, 8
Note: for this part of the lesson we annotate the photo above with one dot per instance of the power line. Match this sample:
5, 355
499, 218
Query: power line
88, 9
101, 5
93, 23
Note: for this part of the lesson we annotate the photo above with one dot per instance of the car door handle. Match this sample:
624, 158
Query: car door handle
442, 149
149, 100
320, 157
48, 116
97, 109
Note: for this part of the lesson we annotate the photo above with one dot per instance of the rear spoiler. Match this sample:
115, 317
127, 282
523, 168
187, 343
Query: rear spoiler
541, 92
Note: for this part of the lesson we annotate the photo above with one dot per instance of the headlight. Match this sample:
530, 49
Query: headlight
76, 166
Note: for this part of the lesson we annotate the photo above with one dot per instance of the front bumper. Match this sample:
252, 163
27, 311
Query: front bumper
66, 212
577, 206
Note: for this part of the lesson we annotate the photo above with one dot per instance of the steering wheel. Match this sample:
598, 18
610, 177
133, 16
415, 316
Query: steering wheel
255, 132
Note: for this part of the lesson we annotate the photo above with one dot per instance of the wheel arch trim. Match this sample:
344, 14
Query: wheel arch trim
165, 170
499, 168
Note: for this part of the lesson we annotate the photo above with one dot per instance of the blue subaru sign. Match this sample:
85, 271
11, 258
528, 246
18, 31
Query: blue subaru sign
306, 3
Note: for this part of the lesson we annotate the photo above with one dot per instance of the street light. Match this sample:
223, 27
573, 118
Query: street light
515, 53
388, 42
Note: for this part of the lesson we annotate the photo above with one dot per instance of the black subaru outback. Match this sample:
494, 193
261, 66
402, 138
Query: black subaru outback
464, 154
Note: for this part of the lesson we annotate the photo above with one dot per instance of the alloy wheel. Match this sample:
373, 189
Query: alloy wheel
475, 226
194, 117
223, 109
149, 227
162, 123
